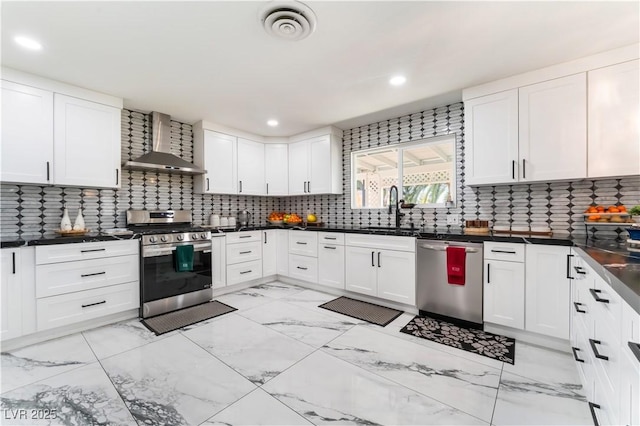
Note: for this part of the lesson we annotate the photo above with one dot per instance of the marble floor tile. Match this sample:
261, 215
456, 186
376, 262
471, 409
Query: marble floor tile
277, 289
257, 352
257, 408
258, 295
311, 327
524, 401
120, 337
327, 390
36, 362
311, 299
466, 385
83, 396
174, 381
543, 365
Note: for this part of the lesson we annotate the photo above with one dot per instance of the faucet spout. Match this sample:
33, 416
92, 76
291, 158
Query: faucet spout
397, 204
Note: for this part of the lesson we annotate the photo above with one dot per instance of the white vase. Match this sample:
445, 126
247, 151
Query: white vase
65, 223
78, 225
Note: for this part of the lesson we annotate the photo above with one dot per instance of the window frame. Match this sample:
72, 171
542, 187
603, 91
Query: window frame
400, 147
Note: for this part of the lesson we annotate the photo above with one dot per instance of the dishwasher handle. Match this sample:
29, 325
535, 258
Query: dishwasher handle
436, 248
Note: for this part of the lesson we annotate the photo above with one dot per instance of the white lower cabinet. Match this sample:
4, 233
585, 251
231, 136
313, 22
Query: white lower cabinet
243, 256
269, 252
10, 295
245, 271
218, 261
303, 268
503, 292
282, 249
629, 389
331, 265
376, 271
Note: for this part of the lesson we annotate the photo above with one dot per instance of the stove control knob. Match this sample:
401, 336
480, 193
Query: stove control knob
194, 236
164, 238
203, 235
153, 239
180, 237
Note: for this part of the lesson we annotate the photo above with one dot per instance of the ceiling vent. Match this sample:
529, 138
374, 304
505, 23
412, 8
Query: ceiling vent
288, 20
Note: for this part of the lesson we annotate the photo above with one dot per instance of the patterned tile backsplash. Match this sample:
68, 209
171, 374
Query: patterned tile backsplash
28, 210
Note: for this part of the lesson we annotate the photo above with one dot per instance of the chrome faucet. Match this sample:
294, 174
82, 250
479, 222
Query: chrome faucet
398, 214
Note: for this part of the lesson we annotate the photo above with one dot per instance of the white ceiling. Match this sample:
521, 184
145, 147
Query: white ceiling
213, 60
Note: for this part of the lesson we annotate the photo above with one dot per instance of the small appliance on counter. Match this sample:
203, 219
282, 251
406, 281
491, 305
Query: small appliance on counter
244, 218
633, 243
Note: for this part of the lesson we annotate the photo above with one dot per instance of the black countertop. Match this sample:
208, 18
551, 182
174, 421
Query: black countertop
48, 239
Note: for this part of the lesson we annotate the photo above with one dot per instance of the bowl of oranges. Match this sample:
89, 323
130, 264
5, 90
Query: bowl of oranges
611, 214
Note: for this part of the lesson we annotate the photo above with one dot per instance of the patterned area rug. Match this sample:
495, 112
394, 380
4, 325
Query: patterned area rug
477, 341
174, 320
375, 314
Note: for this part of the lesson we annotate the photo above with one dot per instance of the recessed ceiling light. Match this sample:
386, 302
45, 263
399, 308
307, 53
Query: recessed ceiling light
272, 123
397, 80
27, 43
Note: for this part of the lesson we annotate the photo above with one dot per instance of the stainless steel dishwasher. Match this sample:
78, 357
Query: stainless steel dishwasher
433, 292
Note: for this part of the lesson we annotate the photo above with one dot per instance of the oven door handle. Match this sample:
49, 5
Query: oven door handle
206, 248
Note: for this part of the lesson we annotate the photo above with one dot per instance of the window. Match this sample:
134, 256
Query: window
426, 169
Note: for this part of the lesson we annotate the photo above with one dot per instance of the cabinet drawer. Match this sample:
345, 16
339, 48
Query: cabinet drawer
604, 345
330, 238
504, 251
243, 237
303, 243
76, 307
82, 251
381, 242
303, 268
630, 330
67, 277
242, 272
245, 252
607, 305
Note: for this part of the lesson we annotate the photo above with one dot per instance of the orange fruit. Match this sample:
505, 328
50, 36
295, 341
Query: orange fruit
613, 209
622, 209
600, 209
593, 217
591, 210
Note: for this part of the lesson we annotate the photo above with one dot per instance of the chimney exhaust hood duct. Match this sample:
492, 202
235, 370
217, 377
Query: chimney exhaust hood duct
160, 158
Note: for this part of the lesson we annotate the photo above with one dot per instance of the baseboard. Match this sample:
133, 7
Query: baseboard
529, 337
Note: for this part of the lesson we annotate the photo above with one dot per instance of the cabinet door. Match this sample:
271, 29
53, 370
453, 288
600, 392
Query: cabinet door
629, 391
250, 168
361, 270
269, 252
276, 169
491, 147
614, 129
220, 163
548, 290
553, 129
504, 293
331, 265
319, 181
86, 143
10, 295
27, 134
218, 262
298, 168
282, 258
397, 276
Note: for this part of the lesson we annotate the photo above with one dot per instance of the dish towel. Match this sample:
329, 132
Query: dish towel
184, 258
456, 261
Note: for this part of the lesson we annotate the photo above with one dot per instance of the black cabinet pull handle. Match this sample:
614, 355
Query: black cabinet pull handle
524, 169
513, 169
245, 252
244, 236
117, 177
593, 413
372, 259
635, 348
579, 270
305, 186
595, 294
92, 275
240, 186
267, 188
13, 262
245, 272
94, 304
207, 184
379, 260
49, 174
300, 267
488, 273
302, 243
503, 251
569, 256
265, 238
330, 247
88, 251
577, 306
309, 186
330, 238
597, 354
575, 354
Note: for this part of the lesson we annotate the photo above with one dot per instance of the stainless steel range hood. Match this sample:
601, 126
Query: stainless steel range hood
160, 158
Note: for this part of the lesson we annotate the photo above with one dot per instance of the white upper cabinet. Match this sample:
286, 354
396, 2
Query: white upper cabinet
491, 127
315, 166
251, 168
614, 120
27, 134
553, 129
87, 143
215, 152
53, 133
276, 165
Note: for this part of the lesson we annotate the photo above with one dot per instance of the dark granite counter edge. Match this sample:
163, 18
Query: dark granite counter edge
64, 240
625, 291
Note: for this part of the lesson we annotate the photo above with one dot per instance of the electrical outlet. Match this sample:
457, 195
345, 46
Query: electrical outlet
453, 219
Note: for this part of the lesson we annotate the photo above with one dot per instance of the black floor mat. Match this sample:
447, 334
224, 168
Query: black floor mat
375, 314
165, 323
